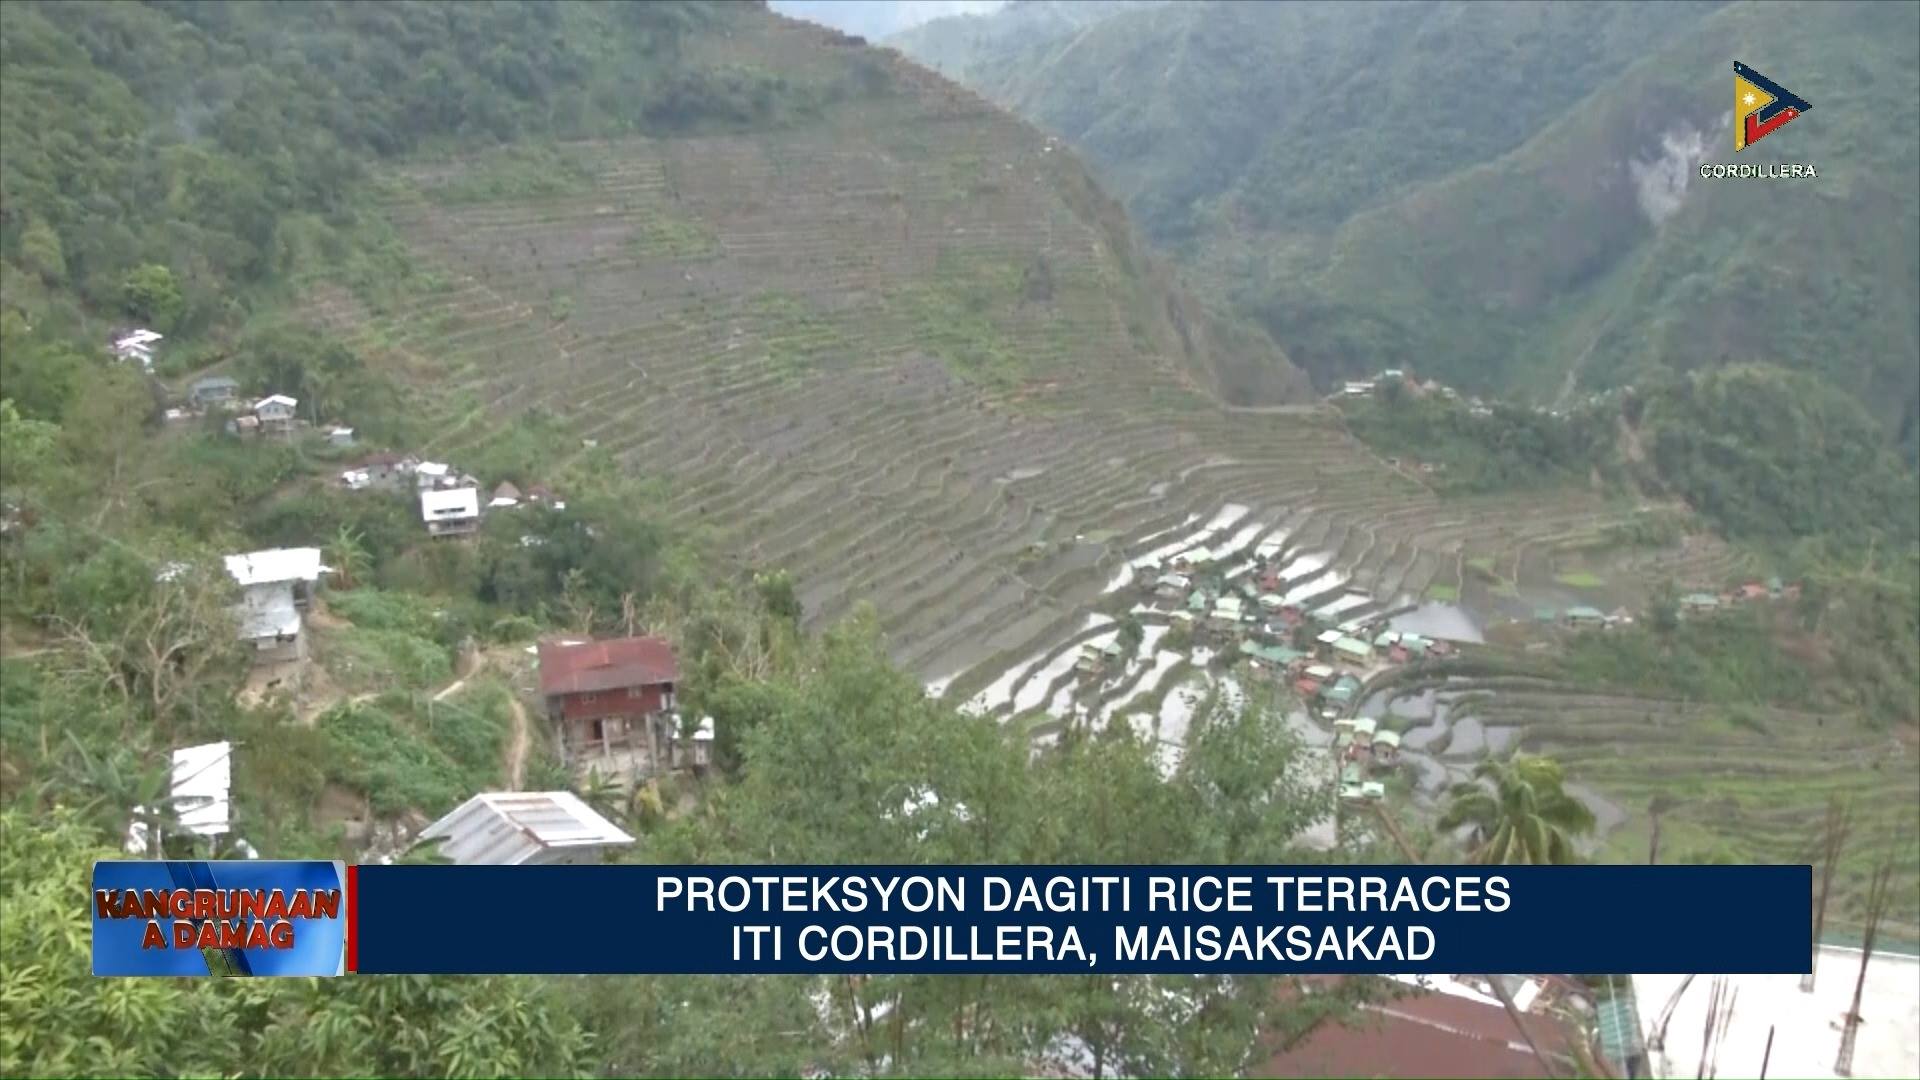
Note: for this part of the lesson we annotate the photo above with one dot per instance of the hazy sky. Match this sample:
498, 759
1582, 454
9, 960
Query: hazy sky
875, 19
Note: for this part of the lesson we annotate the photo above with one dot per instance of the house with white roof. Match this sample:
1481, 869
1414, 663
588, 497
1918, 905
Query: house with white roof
275, 587
136, 346
201, 796
275, 412
525, 828
450, 511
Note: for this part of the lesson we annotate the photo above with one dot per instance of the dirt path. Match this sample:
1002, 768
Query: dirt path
517, 746
475, 662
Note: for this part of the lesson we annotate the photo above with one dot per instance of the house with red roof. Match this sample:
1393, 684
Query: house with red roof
612, 701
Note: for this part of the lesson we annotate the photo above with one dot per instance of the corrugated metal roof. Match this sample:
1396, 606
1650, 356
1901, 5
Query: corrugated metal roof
508, 828
276, 564
449, 504
589, 666
202, 788
267, 611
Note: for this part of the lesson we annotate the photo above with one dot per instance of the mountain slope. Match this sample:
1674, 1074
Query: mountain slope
1499, 194
906, 351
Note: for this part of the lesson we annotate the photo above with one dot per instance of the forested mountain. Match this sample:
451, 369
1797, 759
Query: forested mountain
756, 300
1504, 195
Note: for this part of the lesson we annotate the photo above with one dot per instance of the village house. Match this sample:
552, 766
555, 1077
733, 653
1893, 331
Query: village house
1432, 1026
1277, 660
504, 497
450, 511
385, 471
136, 346
1090, 663
1699, 604
1312, 678
1226, 614
1582, 617
200, 793
275, 587
213, 391
1323, 643
611, 699
1334, 699
1355, 787
1171, 586
694, 749
340, 436
1386, 748
525, 828
1352, 650
276, 413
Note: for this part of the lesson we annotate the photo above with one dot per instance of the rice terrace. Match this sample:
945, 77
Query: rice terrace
911, 355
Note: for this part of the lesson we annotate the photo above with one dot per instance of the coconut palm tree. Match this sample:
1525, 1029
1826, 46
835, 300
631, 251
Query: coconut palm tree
1518, 811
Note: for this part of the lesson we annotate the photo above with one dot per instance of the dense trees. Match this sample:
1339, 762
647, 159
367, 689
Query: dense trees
165, 162
57, 1020
1777, 455
1510, 447
1283, 151
847, 760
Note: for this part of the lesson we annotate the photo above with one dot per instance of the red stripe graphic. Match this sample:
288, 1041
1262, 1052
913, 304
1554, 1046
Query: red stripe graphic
353, 918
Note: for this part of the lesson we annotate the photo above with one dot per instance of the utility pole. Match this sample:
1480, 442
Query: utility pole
1879, 894
1833, 837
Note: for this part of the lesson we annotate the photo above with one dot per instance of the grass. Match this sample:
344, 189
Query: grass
664, 235
1438, 591
404, 753
1580, 579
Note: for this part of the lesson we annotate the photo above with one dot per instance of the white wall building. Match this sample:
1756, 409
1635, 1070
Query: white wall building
1805, 1028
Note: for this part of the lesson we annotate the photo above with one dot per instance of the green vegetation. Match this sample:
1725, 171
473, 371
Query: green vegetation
1518, 813
801, 339
1501, 247
56, 1019
960, 316
1778, 455
221, 183
1509, 448
665, 235
181, 190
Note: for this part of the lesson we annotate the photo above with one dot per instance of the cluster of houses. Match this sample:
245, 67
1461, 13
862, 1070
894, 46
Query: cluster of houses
275, 415
1702, 604
1362, 748
1694, 605
451, 502
611, 702
1255, 618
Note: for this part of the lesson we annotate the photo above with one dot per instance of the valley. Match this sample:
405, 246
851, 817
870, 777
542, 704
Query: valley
906, 356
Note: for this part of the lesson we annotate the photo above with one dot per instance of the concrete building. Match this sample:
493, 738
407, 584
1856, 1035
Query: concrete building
1805, 1027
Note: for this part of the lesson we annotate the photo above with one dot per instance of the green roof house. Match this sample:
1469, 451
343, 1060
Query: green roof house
1582, 615
1353, 650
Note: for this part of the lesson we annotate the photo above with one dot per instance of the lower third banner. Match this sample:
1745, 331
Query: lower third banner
1080, 919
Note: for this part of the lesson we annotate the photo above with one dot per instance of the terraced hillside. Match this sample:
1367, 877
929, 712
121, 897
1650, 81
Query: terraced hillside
1743, 784
908, 353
